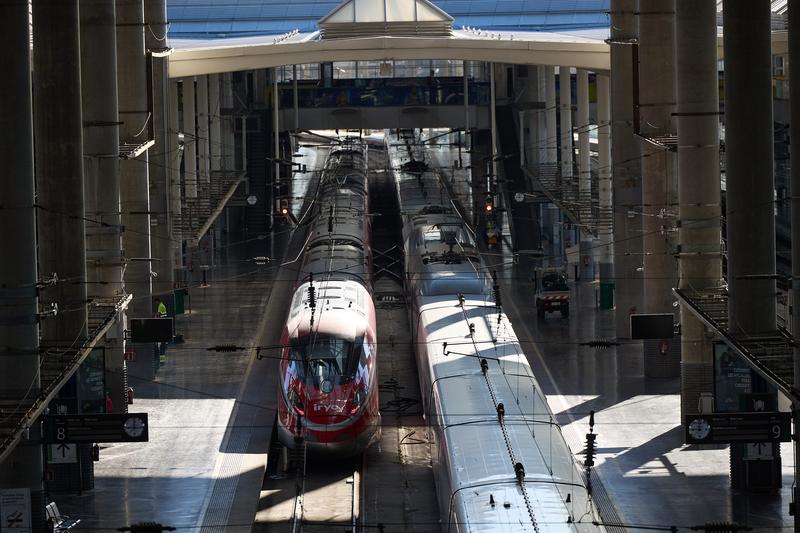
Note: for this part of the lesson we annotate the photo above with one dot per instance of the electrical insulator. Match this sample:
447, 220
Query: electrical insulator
312, 297
590, 451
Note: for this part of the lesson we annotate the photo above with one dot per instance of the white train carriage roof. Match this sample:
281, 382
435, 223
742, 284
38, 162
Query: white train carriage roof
336, 261
418, 192
447, 278
482, 452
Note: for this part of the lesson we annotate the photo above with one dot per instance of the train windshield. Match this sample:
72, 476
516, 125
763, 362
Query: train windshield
326, 358
449, 234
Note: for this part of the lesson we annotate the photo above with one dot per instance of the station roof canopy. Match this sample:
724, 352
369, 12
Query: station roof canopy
221, 19
386, 30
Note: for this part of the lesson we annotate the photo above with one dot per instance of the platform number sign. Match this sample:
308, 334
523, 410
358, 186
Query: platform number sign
729, 428
125, 427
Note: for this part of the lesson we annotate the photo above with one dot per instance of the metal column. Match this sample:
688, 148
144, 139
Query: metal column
605, 197
584, 177
625, 168
160, 158
659, 189
134, 175
750, 208
19, 332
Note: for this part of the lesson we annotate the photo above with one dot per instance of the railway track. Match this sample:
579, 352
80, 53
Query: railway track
329, 498
329, 494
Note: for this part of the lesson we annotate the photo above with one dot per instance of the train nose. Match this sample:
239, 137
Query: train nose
329, 407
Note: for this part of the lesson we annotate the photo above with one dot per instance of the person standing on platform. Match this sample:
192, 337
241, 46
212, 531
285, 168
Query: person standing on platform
161, 309
161, 312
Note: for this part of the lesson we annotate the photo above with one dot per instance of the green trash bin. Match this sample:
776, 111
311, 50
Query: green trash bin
180, 301
606, 296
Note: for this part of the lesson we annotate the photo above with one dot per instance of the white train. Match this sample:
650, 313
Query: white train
500, 461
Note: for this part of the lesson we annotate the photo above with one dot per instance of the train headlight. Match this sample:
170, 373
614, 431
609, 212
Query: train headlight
358, 401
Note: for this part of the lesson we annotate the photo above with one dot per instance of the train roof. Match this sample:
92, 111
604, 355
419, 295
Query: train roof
351, 302
483, 452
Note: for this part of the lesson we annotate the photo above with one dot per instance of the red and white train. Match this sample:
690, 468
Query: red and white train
328, 400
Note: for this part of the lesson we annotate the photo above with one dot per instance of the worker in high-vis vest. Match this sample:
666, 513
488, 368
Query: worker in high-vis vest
161, 310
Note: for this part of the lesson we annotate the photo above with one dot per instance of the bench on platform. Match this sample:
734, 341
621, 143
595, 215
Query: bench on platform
59, 521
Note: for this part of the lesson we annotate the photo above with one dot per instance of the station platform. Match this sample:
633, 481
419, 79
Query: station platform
644, 476
206, 431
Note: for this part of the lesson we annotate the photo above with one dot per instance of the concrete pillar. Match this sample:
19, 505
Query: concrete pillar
541, 115
19, 331
101, 175
174, 171
260, 86
276, 130
295, 98
604, 188
750, 205
160, 157
202, 130
697, 121
466, 105
565, 110
583, 126
749, 166
534, 117
228, 139
659, 188
794, 94
492, 124
59, 167
550, 140
215, 125
626, 169
134, 173
189, 138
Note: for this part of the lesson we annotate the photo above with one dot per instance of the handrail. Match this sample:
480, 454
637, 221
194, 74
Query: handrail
50, 390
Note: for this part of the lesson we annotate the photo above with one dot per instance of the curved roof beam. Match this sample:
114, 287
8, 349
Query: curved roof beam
208, 57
